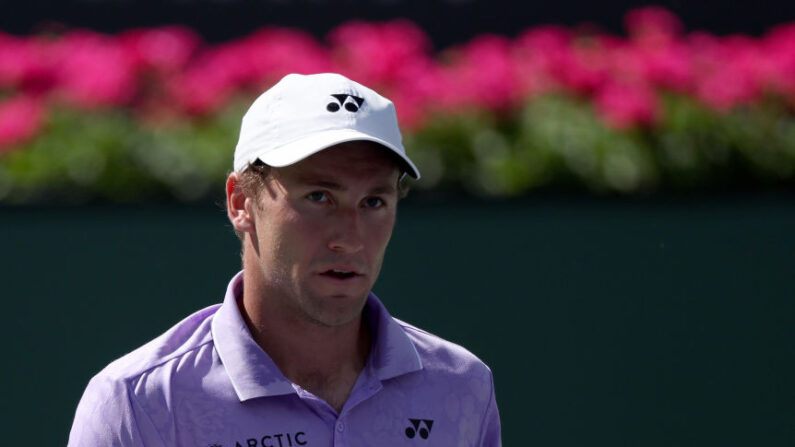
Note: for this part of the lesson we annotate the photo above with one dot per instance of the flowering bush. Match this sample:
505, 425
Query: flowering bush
154, 111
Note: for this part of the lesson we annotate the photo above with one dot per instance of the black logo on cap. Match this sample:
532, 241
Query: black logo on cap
350, 102
417, 427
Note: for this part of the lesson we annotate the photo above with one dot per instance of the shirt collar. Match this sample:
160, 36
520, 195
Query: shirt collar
393, 353
251, 370
254, 374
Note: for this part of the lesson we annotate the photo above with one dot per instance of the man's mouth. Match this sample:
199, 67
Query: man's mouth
339, 274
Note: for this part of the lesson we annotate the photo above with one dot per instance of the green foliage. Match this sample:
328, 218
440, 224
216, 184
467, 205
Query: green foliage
551, 142
558, 141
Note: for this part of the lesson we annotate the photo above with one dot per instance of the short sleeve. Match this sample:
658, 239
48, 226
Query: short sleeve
490, 435
108, 416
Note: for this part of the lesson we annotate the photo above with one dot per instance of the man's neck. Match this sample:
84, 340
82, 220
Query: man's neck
323, 360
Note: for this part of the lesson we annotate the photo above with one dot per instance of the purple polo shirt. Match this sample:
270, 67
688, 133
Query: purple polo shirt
206, 383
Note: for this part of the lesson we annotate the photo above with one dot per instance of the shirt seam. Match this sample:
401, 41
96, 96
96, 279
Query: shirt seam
135, 377
488, 406
134, 401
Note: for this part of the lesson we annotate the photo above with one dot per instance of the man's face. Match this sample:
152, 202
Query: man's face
322, 227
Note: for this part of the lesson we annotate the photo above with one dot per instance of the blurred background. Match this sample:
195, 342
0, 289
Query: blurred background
605, 216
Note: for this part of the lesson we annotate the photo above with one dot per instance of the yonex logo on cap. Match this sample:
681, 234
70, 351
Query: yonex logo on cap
350, 102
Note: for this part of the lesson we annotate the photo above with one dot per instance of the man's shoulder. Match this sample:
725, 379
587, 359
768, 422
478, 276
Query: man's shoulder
184, 338
111, 408
438, 354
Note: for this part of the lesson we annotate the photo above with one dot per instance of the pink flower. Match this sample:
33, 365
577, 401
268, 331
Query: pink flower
13, 60
425, 93
207, 84
669, 66
537, 54
165, 70
626, 105
482, 73
26, 64
253, 63
552, 58
272, 53
652, 24
94, 70
624, 62
778, 45
378, 53
20, 118
726, 71
165, 49
724, 89
411, 109
585, 66
545, 40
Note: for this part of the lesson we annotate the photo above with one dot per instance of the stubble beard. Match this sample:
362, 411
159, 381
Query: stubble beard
329, 311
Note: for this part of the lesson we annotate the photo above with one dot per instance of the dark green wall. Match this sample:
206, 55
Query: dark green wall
606, 322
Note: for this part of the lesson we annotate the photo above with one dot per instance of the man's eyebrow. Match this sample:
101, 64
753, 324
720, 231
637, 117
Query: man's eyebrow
385, 189
334, 186
328, 184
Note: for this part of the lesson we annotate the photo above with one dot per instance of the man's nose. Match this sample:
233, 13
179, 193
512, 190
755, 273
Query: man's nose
347, 233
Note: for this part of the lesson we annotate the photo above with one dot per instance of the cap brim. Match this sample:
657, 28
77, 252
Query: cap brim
298, 150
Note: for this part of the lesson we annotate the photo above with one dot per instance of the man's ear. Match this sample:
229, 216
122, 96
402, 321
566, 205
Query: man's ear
238, 205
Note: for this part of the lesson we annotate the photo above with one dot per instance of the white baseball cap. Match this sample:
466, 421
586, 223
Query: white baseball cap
302, 115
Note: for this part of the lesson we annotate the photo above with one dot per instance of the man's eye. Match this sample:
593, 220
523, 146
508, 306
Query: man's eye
373, 202
317, 196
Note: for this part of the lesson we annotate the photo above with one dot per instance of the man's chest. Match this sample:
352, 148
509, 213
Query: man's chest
292, 421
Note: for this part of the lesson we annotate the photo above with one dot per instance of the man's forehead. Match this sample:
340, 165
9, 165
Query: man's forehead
354, 157
343, 179
346, 166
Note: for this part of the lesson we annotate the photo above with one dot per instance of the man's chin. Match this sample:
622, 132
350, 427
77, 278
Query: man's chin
337, 309
332, 290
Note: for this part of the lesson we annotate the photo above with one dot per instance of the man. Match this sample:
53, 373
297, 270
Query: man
300, 353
